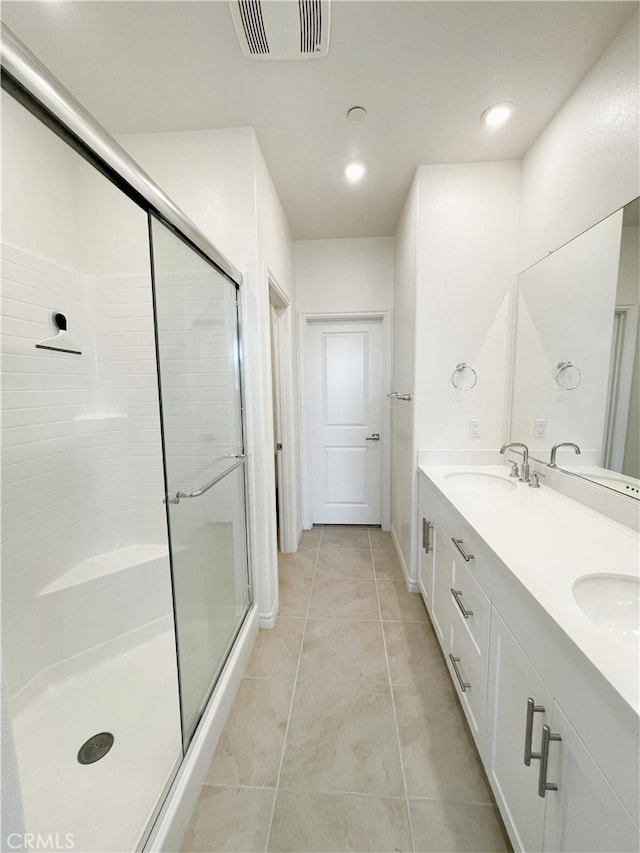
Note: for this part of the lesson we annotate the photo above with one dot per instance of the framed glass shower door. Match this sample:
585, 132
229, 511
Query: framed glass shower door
199, 372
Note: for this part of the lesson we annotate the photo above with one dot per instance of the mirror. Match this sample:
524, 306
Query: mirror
575, 375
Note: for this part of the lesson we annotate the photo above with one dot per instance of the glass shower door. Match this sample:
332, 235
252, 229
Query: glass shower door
198, 358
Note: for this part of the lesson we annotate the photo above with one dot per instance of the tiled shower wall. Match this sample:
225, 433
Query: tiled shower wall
82, 464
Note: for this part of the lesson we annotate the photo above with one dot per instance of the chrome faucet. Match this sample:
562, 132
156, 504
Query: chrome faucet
554, 450
524, 468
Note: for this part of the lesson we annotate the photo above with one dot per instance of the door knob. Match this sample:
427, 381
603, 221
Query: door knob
373, 437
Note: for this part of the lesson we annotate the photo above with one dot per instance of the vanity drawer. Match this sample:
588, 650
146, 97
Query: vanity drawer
436, 509
471, 605
468, 671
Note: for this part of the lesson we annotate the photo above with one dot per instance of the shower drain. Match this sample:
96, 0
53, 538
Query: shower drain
95, 748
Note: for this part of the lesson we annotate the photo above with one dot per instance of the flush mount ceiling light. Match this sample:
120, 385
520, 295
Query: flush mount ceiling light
497, 114
354, 172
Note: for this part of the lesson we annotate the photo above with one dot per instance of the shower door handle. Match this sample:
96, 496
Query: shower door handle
210, 484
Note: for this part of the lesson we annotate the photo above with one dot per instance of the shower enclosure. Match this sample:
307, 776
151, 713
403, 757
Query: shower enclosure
125, 575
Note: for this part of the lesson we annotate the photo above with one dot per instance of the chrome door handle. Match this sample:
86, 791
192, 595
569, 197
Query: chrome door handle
180, 495
456, 593
464, 685
532, 709
375, 436
458, 543
543, 785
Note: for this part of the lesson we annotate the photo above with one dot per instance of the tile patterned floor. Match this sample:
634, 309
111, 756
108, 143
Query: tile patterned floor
346, 734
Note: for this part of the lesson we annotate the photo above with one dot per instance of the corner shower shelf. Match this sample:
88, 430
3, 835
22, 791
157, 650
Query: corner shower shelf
106, 564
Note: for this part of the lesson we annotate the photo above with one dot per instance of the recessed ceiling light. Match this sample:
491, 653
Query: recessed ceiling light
354, 172
497, 114
356, 114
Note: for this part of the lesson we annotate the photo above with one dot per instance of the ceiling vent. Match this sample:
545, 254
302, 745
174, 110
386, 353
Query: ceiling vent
282, 29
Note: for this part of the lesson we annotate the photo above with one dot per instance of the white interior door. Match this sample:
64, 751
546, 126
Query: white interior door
277, 421
345, 393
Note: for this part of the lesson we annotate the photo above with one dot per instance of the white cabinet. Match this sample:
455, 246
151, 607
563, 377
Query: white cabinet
428, 545
584, 814
580, 812
442, 574
518, 677
512, 683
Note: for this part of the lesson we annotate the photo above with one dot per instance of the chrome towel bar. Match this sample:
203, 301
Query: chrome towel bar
396, 395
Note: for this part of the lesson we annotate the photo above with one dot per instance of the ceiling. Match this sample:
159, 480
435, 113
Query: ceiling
423, 70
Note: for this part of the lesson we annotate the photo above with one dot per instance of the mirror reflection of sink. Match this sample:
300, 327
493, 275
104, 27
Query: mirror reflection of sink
612, 602
475, 481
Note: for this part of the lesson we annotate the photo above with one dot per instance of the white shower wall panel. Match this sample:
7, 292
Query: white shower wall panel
82, 460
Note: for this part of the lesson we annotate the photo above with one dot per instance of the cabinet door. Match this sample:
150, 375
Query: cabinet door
584, 814
512, 682
428, 544
442, 579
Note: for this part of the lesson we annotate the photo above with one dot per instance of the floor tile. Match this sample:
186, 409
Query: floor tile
440, 759
397, 603
339, 650
250, 749
342, 738
338, 822
303, 562
310, 539
414, 654
276, 650
344, 563
380, 539
344, 537
344, 598
229, 819
456, 828
295, 592
387, 565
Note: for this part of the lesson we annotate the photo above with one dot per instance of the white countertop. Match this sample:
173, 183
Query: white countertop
549, 541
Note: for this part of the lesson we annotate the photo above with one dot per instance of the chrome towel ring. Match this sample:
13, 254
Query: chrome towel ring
464, 377
565, 380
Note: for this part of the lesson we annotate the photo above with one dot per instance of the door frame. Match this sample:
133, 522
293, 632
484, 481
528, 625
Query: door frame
283, 368
384, 317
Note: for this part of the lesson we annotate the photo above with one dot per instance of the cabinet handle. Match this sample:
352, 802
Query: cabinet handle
456, 593
528, 732
464, 685
543, 785
426, 527
458, 543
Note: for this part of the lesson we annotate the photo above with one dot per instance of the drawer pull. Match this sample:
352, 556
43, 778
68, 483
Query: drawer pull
426, 527
456, 593
532, 709
464, 685
543, 785
458, 543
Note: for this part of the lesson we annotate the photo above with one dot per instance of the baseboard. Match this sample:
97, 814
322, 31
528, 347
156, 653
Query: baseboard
268, 620
175, 814
412, 585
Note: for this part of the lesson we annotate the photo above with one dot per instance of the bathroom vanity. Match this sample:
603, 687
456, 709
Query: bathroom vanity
523, 587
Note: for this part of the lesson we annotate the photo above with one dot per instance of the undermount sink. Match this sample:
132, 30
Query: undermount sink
474, 481
611, 602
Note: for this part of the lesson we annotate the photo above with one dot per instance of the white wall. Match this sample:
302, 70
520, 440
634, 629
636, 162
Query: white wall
467, 237
465, 246
334, 276
586, 162
403, 447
